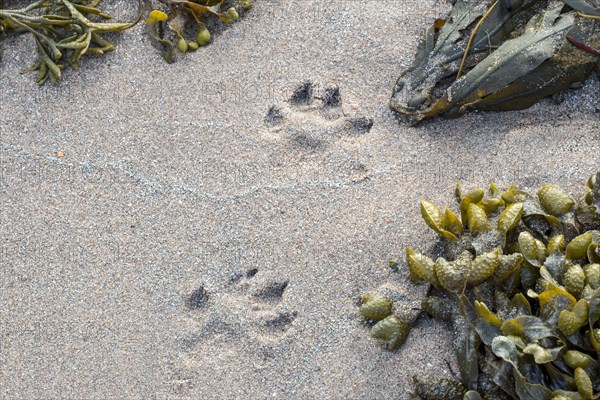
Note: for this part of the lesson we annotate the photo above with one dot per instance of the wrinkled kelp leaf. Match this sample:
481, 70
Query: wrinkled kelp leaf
504, 348
511, 54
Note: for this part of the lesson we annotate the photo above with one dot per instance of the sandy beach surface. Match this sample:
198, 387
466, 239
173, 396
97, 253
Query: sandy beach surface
162, 239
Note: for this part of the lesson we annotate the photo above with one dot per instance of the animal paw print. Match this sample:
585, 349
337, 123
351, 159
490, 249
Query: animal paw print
248, 307
246, 319
314, 119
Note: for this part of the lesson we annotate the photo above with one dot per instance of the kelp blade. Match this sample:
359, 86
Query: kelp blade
506, 73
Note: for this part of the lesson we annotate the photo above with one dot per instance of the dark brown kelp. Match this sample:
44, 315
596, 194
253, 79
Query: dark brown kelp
499, 55
519, 280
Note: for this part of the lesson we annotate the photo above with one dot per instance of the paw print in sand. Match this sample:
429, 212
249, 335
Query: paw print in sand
248, 308
315, 118
246, 320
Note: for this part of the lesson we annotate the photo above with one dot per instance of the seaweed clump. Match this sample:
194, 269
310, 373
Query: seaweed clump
172, 29
498, 55
64, 31
519, 281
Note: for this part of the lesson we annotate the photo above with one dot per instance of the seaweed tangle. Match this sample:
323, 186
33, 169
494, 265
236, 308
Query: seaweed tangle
519, 281
64, 31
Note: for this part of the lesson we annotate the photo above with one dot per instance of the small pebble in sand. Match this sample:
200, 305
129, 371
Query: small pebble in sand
60, 154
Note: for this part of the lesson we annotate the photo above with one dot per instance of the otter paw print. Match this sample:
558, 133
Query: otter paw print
249, 307
313, 119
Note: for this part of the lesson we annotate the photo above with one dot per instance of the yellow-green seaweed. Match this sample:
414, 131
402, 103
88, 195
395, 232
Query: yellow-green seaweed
63, 31
540, 330
555, 200
376, 306
392, 330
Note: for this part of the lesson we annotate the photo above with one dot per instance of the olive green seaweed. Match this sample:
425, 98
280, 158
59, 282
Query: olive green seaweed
63, 30
520, 284
187, 23
66, 30
376, 306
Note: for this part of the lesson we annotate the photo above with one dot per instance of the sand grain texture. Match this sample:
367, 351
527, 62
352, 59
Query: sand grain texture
173, 183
